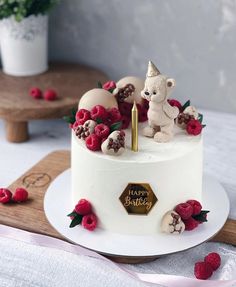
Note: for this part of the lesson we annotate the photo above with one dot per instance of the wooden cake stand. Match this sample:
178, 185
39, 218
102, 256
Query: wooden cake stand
70, 81
30, 215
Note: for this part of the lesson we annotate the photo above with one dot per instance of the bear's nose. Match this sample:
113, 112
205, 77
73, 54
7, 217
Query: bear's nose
146, 93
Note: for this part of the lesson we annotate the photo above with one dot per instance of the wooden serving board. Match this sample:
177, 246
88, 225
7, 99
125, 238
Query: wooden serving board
17, 108
30, 215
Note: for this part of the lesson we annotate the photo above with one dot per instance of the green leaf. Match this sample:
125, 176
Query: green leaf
99, 84
201, 216
76, 221
73, 213
203, 126
99, 120
187, 104
111, 90
70, 118
200, 117
115, 127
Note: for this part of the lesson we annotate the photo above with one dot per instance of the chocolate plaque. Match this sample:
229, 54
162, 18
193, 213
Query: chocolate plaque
138, 198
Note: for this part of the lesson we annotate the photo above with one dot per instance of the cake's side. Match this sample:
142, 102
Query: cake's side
102, 179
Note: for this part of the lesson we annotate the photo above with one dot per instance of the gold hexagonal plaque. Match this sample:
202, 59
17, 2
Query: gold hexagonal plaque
138, 198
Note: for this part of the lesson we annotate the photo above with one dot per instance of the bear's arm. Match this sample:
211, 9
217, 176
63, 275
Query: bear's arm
171, 112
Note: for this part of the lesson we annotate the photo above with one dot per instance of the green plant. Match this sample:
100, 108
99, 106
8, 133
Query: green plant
23, 8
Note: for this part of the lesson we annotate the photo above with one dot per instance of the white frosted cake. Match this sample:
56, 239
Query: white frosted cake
173, 170
141, 192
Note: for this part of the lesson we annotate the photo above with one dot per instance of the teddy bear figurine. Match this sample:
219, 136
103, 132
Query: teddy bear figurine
161, 114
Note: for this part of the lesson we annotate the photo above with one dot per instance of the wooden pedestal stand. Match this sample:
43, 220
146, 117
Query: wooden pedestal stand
30, 215
17, 108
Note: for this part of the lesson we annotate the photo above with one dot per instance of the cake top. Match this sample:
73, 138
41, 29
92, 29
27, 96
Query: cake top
107, 119
149, 150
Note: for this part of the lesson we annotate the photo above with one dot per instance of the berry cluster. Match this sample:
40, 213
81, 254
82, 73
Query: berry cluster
96, 125
188, 118
83, 214
204, 269
191, 213
6, 196
48, 95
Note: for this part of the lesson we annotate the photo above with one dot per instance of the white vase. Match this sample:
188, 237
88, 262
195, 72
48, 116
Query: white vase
24, 45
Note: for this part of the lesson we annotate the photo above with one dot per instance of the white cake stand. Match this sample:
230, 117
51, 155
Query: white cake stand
57, 204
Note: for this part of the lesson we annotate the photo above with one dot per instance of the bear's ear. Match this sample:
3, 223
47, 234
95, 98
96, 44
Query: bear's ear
170, 83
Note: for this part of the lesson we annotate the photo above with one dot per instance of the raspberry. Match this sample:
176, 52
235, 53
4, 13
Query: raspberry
114, 115
190, 224
50, 95
175, 103
102, 131
82, 116
202, 270
5, 195
35, 93
20, 195
125, 109
196, 205
194, 127
142, 113
213, 259
125, 122
83, 207
93, 142
99, 113
75, 125
145, 104
89, 222
185, 210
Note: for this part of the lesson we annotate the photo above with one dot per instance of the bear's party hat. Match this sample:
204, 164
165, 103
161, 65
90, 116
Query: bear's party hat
152, 70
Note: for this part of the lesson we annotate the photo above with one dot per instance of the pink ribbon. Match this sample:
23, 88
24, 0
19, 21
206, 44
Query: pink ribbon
161, 279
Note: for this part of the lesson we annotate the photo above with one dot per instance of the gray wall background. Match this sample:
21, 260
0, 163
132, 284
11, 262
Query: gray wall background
193, 41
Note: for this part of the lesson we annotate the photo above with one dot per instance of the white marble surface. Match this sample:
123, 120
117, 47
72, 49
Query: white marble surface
47, 136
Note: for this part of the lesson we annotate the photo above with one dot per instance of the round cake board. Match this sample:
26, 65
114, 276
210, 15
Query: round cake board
132, 248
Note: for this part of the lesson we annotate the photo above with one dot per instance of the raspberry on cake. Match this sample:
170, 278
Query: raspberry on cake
102, 131
82, 116
99, 113
93, 142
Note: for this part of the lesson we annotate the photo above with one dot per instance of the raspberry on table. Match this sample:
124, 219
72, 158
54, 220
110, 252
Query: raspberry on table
213, 259
202, 270
82, 116
93, 142
99, 113
35, 93
5, 195
185, 210
102, 131
20, 195
50, 95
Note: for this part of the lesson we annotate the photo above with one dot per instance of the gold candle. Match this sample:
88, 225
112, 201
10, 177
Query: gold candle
134, 144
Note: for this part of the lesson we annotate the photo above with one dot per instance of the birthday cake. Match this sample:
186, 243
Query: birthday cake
136, 158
